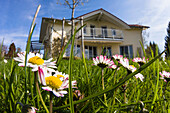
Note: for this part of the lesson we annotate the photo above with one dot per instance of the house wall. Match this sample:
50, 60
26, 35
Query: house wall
99, 24
114, 46
131, 36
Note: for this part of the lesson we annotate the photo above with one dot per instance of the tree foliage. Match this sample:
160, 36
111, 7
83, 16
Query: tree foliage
12, 50
151, 47
167, 42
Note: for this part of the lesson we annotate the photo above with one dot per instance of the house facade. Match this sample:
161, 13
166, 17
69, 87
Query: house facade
104, 33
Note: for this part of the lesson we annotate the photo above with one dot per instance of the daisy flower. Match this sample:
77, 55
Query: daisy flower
113, 66
57, 83
165, 75
124, 62
34, 61
5, 61
102, 61
117, 57
140, 60
139, 75
32, 110
130, 68
28, 109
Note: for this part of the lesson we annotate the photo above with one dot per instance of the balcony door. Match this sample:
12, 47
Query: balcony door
104, 31
92, 30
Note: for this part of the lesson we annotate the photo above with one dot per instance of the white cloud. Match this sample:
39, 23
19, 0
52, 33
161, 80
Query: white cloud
154, 13
19, 38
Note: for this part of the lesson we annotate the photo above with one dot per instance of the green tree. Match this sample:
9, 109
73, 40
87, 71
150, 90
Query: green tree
151, 47
167, 42
12, 51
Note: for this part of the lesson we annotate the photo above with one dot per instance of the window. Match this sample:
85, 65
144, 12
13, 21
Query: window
107, 51
92, 30
84, 30
68, 50
78, 52
104, 31
127, 51
90, 52
113, 32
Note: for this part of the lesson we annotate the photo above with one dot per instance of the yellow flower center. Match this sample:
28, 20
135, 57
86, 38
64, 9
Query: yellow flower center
54, 82
36, 60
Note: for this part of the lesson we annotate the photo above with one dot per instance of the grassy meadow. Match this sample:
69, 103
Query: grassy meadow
102, 90
124, 98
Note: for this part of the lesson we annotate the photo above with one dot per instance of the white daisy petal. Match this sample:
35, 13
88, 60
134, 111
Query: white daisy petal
102, 61
47, 88
63, 92
57, 93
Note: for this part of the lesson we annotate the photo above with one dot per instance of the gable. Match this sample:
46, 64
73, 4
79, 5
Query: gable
103, 15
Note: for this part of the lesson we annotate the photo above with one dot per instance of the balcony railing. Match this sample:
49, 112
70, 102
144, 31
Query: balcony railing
101, 33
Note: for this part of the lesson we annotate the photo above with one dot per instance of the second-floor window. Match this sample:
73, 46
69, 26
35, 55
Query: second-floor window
113, 32
92, 30
84, 30
104, 31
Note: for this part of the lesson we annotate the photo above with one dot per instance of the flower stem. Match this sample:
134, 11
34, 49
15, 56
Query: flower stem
165, 87
114, 81
45, 107
103, 86
51, 102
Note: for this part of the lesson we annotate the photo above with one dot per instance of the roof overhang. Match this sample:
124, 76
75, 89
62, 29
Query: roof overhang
103, 15
44, 25
137, 26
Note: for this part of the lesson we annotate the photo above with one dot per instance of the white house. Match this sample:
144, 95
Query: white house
104, 33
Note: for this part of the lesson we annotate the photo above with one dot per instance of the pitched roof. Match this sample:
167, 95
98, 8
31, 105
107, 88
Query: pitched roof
114, 17
101, 10
138, 26
106, 13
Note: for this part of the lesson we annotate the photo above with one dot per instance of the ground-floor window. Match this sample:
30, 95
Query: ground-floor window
90, 51
127, 51
107, 51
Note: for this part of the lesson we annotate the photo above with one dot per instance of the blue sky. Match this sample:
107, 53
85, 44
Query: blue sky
16, 16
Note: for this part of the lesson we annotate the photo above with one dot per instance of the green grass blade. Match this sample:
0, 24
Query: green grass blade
89, 88
157, 82
70, 74
28, 48
27, 51
116, 85
70, 71
143, 48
